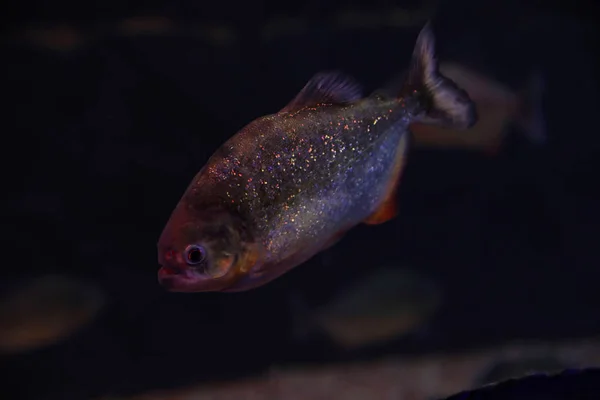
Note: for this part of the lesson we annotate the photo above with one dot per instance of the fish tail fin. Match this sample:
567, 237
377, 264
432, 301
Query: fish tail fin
302, 323
445, 103
530, 114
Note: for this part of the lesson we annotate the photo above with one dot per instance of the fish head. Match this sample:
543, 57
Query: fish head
204, 251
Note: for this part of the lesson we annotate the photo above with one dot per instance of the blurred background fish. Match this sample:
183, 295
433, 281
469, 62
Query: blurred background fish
499, 109
45, 310
387, 304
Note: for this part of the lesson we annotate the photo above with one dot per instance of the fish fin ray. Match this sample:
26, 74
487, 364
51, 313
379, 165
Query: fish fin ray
388, 209
332, 87
446, 104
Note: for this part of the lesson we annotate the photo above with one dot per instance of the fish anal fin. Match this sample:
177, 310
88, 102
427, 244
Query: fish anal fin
331, 87
388, 209
253, 256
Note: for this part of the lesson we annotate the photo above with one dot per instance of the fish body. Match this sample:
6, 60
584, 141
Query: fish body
290, 184
297, 188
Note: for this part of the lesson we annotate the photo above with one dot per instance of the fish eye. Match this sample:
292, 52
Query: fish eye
194, 254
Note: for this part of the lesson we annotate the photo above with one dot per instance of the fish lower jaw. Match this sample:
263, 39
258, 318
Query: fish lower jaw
178, 279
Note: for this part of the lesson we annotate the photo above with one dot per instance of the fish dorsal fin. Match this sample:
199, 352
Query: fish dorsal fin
332, 87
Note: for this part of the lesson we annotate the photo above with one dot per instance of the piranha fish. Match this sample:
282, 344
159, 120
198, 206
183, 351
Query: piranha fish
290, 184
387, 304
46, 310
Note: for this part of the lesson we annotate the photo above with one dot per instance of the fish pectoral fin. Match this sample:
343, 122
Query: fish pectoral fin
388, 208
252, 256
326, 87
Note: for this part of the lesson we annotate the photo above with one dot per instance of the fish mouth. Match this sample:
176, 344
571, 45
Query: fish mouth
172, 277
185, 279
167, 271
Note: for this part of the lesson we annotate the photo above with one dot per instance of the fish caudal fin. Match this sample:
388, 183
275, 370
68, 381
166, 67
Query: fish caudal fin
530, 115
445, 103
